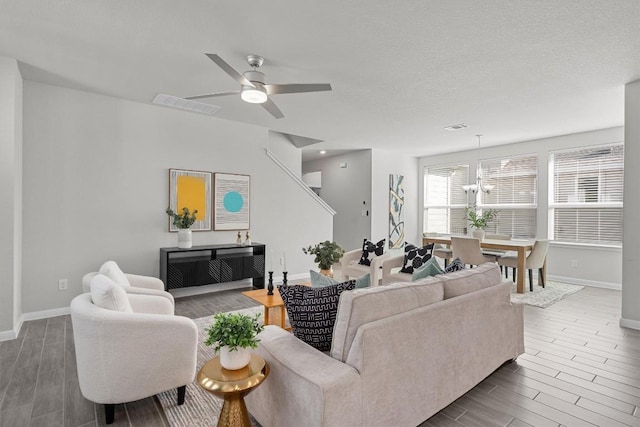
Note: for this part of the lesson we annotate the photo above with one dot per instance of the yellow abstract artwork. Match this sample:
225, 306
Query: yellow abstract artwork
191, 193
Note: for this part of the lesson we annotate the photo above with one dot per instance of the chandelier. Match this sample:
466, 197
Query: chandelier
478, 186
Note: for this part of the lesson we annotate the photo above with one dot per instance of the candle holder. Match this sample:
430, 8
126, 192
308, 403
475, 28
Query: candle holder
284, 277
270, 284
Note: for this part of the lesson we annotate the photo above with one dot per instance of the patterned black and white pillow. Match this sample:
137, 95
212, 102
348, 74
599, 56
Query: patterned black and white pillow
312, 311
371, 250
455, 265
415, 257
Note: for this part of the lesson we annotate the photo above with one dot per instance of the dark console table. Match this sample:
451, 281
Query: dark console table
205, 265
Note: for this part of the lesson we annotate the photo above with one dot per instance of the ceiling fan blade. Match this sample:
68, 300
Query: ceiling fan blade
296, 88
229, 69
211, 95
272, 108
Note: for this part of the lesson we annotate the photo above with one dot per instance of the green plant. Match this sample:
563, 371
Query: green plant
480, 221
234, 330
183, 220
327, 253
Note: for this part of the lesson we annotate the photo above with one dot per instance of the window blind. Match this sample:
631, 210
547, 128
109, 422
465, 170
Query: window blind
586, 197
445, 200
514, 194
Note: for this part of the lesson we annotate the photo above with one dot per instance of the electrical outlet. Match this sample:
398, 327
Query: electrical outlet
62, 285
574, 263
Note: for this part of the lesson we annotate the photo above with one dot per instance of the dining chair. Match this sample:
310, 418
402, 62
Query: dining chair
535, 260
441, 251
496, 252
469, 251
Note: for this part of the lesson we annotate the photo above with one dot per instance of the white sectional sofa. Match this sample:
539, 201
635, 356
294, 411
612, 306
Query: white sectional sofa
400, 353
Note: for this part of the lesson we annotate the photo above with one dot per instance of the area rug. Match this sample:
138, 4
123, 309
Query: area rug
200, 407
544, 297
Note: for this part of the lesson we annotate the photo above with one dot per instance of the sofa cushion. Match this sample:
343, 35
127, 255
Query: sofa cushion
455, 265
105, 293
363, 306
471, 280
319, 280
312, 311
415, 257
113, 272
430, 268
371, 250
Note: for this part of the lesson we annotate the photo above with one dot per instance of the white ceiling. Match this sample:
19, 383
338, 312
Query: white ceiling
400, 71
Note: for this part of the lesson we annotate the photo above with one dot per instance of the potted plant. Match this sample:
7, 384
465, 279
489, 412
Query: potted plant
233, 334
479, 221
327, 253
183, 222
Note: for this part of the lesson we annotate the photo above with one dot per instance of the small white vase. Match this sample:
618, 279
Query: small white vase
184, 238
478, 233
233, 360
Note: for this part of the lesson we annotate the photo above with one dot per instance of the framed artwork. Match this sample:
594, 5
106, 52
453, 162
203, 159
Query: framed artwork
396, 211
231, 201
192, 190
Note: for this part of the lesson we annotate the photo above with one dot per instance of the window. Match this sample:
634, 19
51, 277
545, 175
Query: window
444, 199
514, 194
586, 193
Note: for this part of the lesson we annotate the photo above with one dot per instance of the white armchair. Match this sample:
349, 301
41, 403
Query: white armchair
132, 283
391, 263
351, 268
121, 356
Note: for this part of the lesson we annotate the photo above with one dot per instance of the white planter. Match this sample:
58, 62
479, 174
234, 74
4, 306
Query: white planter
184, 238
478, 233
233, 360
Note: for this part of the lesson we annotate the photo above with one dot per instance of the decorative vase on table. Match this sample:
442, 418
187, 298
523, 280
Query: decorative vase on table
234, 359
327, 272
478, 233
185, 240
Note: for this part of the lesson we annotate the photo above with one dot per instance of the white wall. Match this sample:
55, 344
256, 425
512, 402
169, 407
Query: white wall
313, 179
595, 265
631, 253
286, 152
385, 163
344, 189
11, 194
96, 186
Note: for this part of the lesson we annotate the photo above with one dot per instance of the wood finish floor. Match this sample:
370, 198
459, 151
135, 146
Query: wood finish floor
580, 369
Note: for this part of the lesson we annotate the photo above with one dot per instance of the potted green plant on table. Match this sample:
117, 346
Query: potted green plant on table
479, 221
183, 222
233, 334
327, 253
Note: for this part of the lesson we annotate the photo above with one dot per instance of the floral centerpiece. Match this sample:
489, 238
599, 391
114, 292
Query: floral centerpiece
479, 221
183, 222
326, 254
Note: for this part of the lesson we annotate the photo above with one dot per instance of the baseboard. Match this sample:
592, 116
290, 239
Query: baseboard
45, 314
8, 335
628, 323
584, 282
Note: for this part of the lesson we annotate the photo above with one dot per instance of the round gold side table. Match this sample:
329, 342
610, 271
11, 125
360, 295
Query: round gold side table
232, 386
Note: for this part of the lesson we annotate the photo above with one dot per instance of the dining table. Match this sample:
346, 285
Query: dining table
521, 247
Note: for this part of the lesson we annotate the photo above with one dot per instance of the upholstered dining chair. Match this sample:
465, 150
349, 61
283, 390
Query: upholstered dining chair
130, 346
441, 251
469, 251
496, 252
535, 260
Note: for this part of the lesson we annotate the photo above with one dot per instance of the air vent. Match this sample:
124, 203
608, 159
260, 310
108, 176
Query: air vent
185, 104
453, 128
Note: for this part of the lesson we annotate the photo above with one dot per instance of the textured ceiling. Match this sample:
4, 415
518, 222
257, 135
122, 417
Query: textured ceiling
400, 71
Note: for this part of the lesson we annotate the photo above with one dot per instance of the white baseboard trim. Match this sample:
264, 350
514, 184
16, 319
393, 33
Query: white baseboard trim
628, 323
45, 314
8, 335
584, 282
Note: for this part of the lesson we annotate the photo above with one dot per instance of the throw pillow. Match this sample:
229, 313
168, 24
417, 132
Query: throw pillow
107, 294
371, 250
312, 311
415, 257
430, 268
113, 272
320, 280
455, 265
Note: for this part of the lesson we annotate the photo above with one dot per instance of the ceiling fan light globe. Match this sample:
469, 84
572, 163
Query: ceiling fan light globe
253, 95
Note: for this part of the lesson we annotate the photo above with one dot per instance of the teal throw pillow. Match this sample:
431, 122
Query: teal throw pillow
430, 268
320, 280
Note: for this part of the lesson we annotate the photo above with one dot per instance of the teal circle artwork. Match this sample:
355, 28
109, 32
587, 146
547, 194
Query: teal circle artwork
233, 201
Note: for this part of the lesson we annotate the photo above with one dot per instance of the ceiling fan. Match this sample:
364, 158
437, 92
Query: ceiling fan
254, 90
